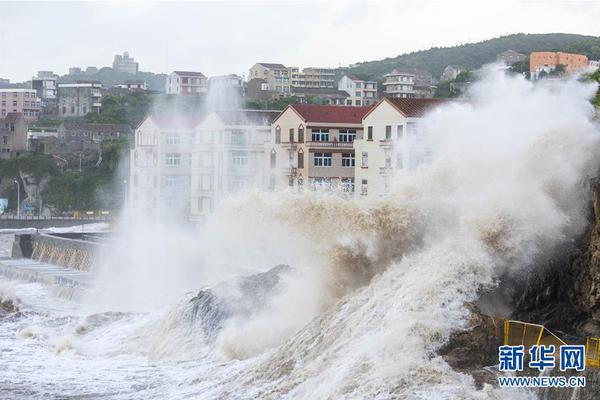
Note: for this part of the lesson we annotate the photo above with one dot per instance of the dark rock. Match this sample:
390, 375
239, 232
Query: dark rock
241, 297
475, 347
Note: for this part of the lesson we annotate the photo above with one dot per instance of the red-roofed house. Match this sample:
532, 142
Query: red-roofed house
161, 163
276, 75
393, 142
186, 83
312, 145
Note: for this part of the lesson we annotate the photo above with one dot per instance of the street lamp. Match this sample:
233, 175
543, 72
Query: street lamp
18, 199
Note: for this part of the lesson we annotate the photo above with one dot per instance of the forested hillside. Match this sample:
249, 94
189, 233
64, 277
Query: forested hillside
474, 55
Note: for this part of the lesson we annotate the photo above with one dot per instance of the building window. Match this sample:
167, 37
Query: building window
388, 132
278, 135
291, 135
399, 132
322, 160
365, 159
240, 158
348, 160
399, 161
173, 139
412, 130
370, 133
205, 204
320, 135
363, 187
173, 182
173, 159
238, 137
273, 159
300, 158
347, 135
388, 160
205, 183
300, 134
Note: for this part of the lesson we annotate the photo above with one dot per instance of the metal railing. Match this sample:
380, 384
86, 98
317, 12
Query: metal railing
83, 216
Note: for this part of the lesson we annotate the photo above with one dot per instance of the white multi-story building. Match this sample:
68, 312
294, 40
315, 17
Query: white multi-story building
362, 93
393, 142
187, 83
228, 157
124, 63
399, 84
161, 161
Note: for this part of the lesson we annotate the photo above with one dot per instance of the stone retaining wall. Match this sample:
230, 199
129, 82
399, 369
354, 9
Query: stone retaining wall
64, 250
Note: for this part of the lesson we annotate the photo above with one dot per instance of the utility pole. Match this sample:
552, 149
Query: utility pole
18, 199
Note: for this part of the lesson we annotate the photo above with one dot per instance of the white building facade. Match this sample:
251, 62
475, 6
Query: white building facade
186, 83
362, 93
393, 143
228, 157
160, 170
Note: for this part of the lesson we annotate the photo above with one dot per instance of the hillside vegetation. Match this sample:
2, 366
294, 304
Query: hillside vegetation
474, 55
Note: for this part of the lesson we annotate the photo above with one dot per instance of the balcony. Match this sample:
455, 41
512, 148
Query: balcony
386, 143
291, 171
289, 145
343, 145
386, 171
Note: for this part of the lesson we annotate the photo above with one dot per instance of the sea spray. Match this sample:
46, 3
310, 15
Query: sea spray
378, 283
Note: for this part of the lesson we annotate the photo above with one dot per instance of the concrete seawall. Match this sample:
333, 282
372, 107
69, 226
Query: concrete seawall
42, 223
67, 250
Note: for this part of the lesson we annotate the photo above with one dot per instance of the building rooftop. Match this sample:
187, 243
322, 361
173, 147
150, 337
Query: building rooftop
12, 117
175, 121
413, 107
336, 114
247, 117
321, 91
96, 128
189, 73
273, 65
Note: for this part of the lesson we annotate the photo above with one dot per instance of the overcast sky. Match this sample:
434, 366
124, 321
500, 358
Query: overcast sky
229, 37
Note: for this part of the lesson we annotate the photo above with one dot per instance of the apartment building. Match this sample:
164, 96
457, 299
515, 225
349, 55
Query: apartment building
312, 145
124, 63
510, 57
225, 91
409, 83
45, 84
228, 156
394, 142
547, 61
24, 101
276, 76
160, 166
312, 77
399, 84
186, 83
133, 86
13, 135
78, 99
451, 72
360, 92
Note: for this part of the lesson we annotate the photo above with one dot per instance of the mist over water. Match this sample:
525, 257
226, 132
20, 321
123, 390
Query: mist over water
374, 286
